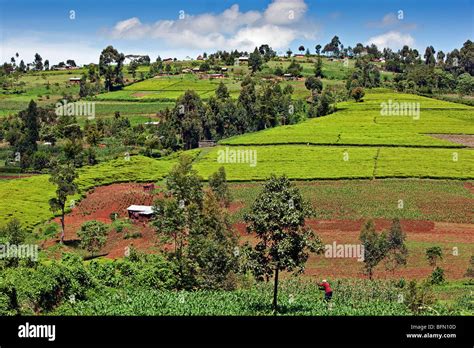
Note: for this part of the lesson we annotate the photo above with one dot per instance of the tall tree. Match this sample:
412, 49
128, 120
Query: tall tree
397, 251
218, 184
318, 49
63, 177
255, 60
38, 62
375, 247
112, 74
277, 217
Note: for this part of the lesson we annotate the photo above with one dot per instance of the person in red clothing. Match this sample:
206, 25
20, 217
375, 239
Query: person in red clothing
324, 285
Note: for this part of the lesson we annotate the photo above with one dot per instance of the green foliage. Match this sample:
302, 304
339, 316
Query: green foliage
419, 297
437, 276
433, 254
358, 93
277, 217
93, 235
218, 184
375, 247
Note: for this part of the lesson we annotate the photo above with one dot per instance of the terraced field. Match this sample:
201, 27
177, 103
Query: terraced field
354, 143
362, 124
169, 88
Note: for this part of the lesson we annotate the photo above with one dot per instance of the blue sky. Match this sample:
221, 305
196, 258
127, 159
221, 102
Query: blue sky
155, 27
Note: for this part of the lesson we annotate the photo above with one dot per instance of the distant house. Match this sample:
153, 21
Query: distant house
186, 71
299, 55
199, 58
243, 59
140, 212
224, 69
207, 143
168, 60
196, 69
216, 76
288, 76
75, 80
152, 123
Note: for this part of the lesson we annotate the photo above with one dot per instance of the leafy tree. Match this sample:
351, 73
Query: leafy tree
46, 64
433, 254
466, 55
318, 67
437, 276
255, 61
31, 126
313, 84
212, 247
375, 247
397, 251
171, 223
222, 92
301, 48
218, 184
357, 93
12, 232
277, 217
132, 68
93, 235
38, 62
440, 57
63, 177
112, 74
289, 53
318, 49
295, 69
71, 62
465, 84
184, 183
430, 56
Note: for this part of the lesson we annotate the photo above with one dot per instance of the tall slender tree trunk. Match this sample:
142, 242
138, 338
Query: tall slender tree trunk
275, 291
62, 225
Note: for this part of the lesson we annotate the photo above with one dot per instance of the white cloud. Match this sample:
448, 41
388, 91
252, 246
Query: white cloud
278, 26
285, 11
392, 39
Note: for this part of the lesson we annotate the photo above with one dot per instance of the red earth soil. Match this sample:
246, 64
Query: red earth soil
102, 201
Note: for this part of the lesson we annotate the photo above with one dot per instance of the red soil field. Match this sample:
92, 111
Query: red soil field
102, 201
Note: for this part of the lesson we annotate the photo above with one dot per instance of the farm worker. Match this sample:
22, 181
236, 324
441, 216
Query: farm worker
324, 285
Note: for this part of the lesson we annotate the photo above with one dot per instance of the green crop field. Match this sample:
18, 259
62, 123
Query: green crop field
168, 88
435, 200
365, 150
363, 124
354, 297
28, 197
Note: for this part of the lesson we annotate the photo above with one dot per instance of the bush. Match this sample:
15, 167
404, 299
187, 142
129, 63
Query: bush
437, 276
358, 93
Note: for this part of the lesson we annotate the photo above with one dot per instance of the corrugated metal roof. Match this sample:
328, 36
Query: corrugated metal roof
142, 209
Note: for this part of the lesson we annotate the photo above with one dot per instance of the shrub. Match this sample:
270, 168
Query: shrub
358, 93
437, 276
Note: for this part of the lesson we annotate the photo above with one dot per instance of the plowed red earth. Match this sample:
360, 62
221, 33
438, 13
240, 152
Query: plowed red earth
101, 202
